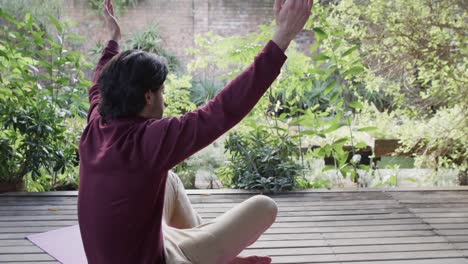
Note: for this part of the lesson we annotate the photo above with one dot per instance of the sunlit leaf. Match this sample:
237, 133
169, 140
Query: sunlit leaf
320, 33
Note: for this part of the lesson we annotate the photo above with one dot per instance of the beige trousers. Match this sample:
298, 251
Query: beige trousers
187, 240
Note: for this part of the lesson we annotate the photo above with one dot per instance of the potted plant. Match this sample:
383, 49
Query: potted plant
42, 86
33, 141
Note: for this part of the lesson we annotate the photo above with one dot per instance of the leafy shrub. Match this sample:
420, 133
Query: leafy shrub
204, 90
186, 174
150, 40
40, 10
260, 160
177, 95
42, 87
415, 50
206, 162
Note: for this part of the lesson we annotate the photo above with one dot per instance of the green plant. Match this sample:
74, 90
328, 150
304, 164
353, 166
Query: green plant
312, 93
205, 163
367, 54
42, 86
177, 95
204, 90
261, 160
186, 174
415, 50
440, 142
150, 40
40, 10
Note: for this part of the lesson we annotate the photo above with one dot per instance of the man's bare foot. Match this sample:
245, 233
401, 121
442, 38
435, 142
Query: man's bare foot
251, 260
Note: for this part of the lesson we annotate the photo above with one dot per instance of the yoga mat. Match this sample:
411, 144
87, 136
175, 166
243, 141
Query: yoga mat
63, 244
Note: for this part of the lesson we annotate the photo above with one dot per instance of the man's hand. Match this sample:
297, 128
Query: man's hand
111, 21
290, 19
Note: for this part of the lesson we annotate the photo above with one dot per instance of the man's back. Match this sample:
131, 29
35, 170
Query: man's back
121, 195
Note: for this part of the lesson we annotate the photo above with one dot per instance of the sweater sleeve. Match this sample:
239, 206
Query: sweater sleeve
108, 53
171, 140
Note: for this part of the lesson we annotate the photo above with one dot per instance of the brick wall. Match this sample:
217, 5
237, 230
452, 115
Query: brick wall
178, 20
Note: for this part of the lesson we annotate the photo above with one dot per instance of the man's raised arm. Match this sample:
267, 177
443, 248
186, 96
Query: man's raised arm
111, 49
175, 139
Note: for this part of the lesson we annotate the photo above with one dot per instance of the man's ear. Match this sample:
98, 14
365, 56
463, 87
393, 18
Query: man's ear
149, 97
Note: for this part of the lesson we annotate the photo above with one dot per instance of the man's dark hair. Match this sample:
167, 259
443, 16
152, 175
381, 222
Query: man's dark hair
125, 79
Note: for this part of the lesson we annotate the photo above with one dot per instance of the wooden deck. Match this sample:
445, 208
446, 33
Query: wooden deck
354, 227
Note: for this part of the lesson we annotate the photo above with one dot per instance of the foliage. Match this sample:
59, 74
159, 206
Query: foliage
186, 174
437, 142
261, 160
42, 87
441, 141
204, 90
415, 51
150, 40
40, 10
177, 95
311, 93
205, 163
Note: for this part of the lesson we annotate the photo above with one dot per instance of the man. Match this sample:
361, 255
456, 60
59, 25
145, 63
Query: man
127, 150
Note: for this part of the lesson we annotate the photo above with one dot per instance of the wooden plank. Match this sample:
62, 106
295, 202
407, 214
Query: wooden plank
306, 213
222, 208
37, 223
451, 226
300, 203
349, 235
347, 223
422, 205
439, 210
339, 229
37, 213
459, 238
38, 217
27, 229
15, 242
415, 255
279, 219
36, 208
455, 189
349, 249
278, 224
417, 261
371, 215
446, 220
446, 215
452, 232
433, 201
24, 257
13, 236
21, 250
461, 245
291, 243
33, 262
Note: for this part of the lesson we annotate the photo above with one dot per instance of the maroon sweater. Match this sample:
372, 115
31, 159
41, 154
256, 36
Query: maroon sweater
124, 163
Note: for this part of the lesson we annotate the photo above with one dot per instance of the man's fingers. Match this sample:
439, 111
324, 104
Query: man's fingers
278, 4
